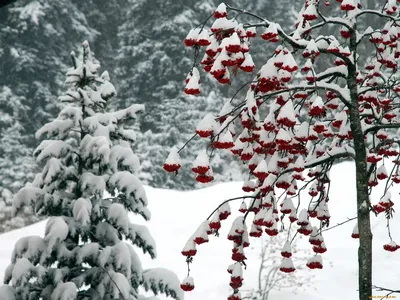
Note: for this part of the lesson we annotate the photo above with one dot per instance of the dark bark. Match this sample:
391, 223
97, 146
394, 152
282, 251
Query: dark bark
364, 224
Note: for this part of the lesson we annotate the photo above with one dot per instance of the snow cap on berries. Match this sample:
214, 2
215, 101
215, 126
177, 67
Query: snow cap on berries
303, 218
261, 171
200, 236
206, 126
220, 12
287, 116
215, 222
225, 141
204, 38
348, 5
391, 247
381, 172
355, 234
237, 227
191, 38
299, 164
190, 248
223, 24
173, 161
310, 13
287, 250
315, 262
187, 284
202, 163
259, 217
287, 206
237, 270
289, 63
243, 207
193, 83
386, 201
316, 238
249, 186
224, 211
271, 33
287, 265
317, 109
248, 63
233, 43
255, 231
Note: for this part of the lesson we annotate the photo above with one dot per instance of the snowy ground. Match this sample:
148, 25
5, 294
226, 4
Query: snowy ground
175, 216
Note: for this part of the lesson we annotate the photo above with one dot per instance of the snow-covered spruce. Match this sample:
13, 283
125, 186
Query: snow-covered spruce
87, 187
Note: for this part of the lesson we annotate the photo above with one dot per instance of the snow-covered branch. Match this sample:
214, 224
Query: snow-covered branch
297, 43
375, 128
376, 13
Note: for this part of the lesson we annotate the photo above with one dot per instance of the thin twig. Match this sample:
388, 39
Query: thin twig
229, 200
380, 289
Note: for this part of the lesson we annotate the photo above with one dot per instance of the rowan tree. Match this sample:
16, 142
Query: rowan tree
290, 133
87, 187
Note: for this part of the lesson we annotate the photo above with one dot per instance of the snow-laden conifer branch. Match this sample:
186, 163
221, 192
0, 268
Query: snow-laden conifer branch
113, 281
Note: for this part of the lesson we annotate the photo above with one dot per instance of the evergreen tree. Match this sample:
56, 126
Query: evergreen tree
32, 33
151, 53
7, 220
149, 36
87, 186
15, 158
16, 164
104, 17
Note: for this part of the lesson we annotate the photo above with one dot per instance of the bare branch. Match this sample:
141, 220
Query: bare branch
229, 200
382, 289
340, 224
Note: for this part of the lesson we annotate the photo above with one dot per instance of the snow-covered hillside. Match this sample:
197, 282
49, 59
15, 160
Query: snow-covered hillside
176, 215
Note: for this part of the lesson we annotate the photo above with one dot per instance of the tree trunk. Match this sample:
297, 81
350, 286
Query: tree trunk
363, 204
